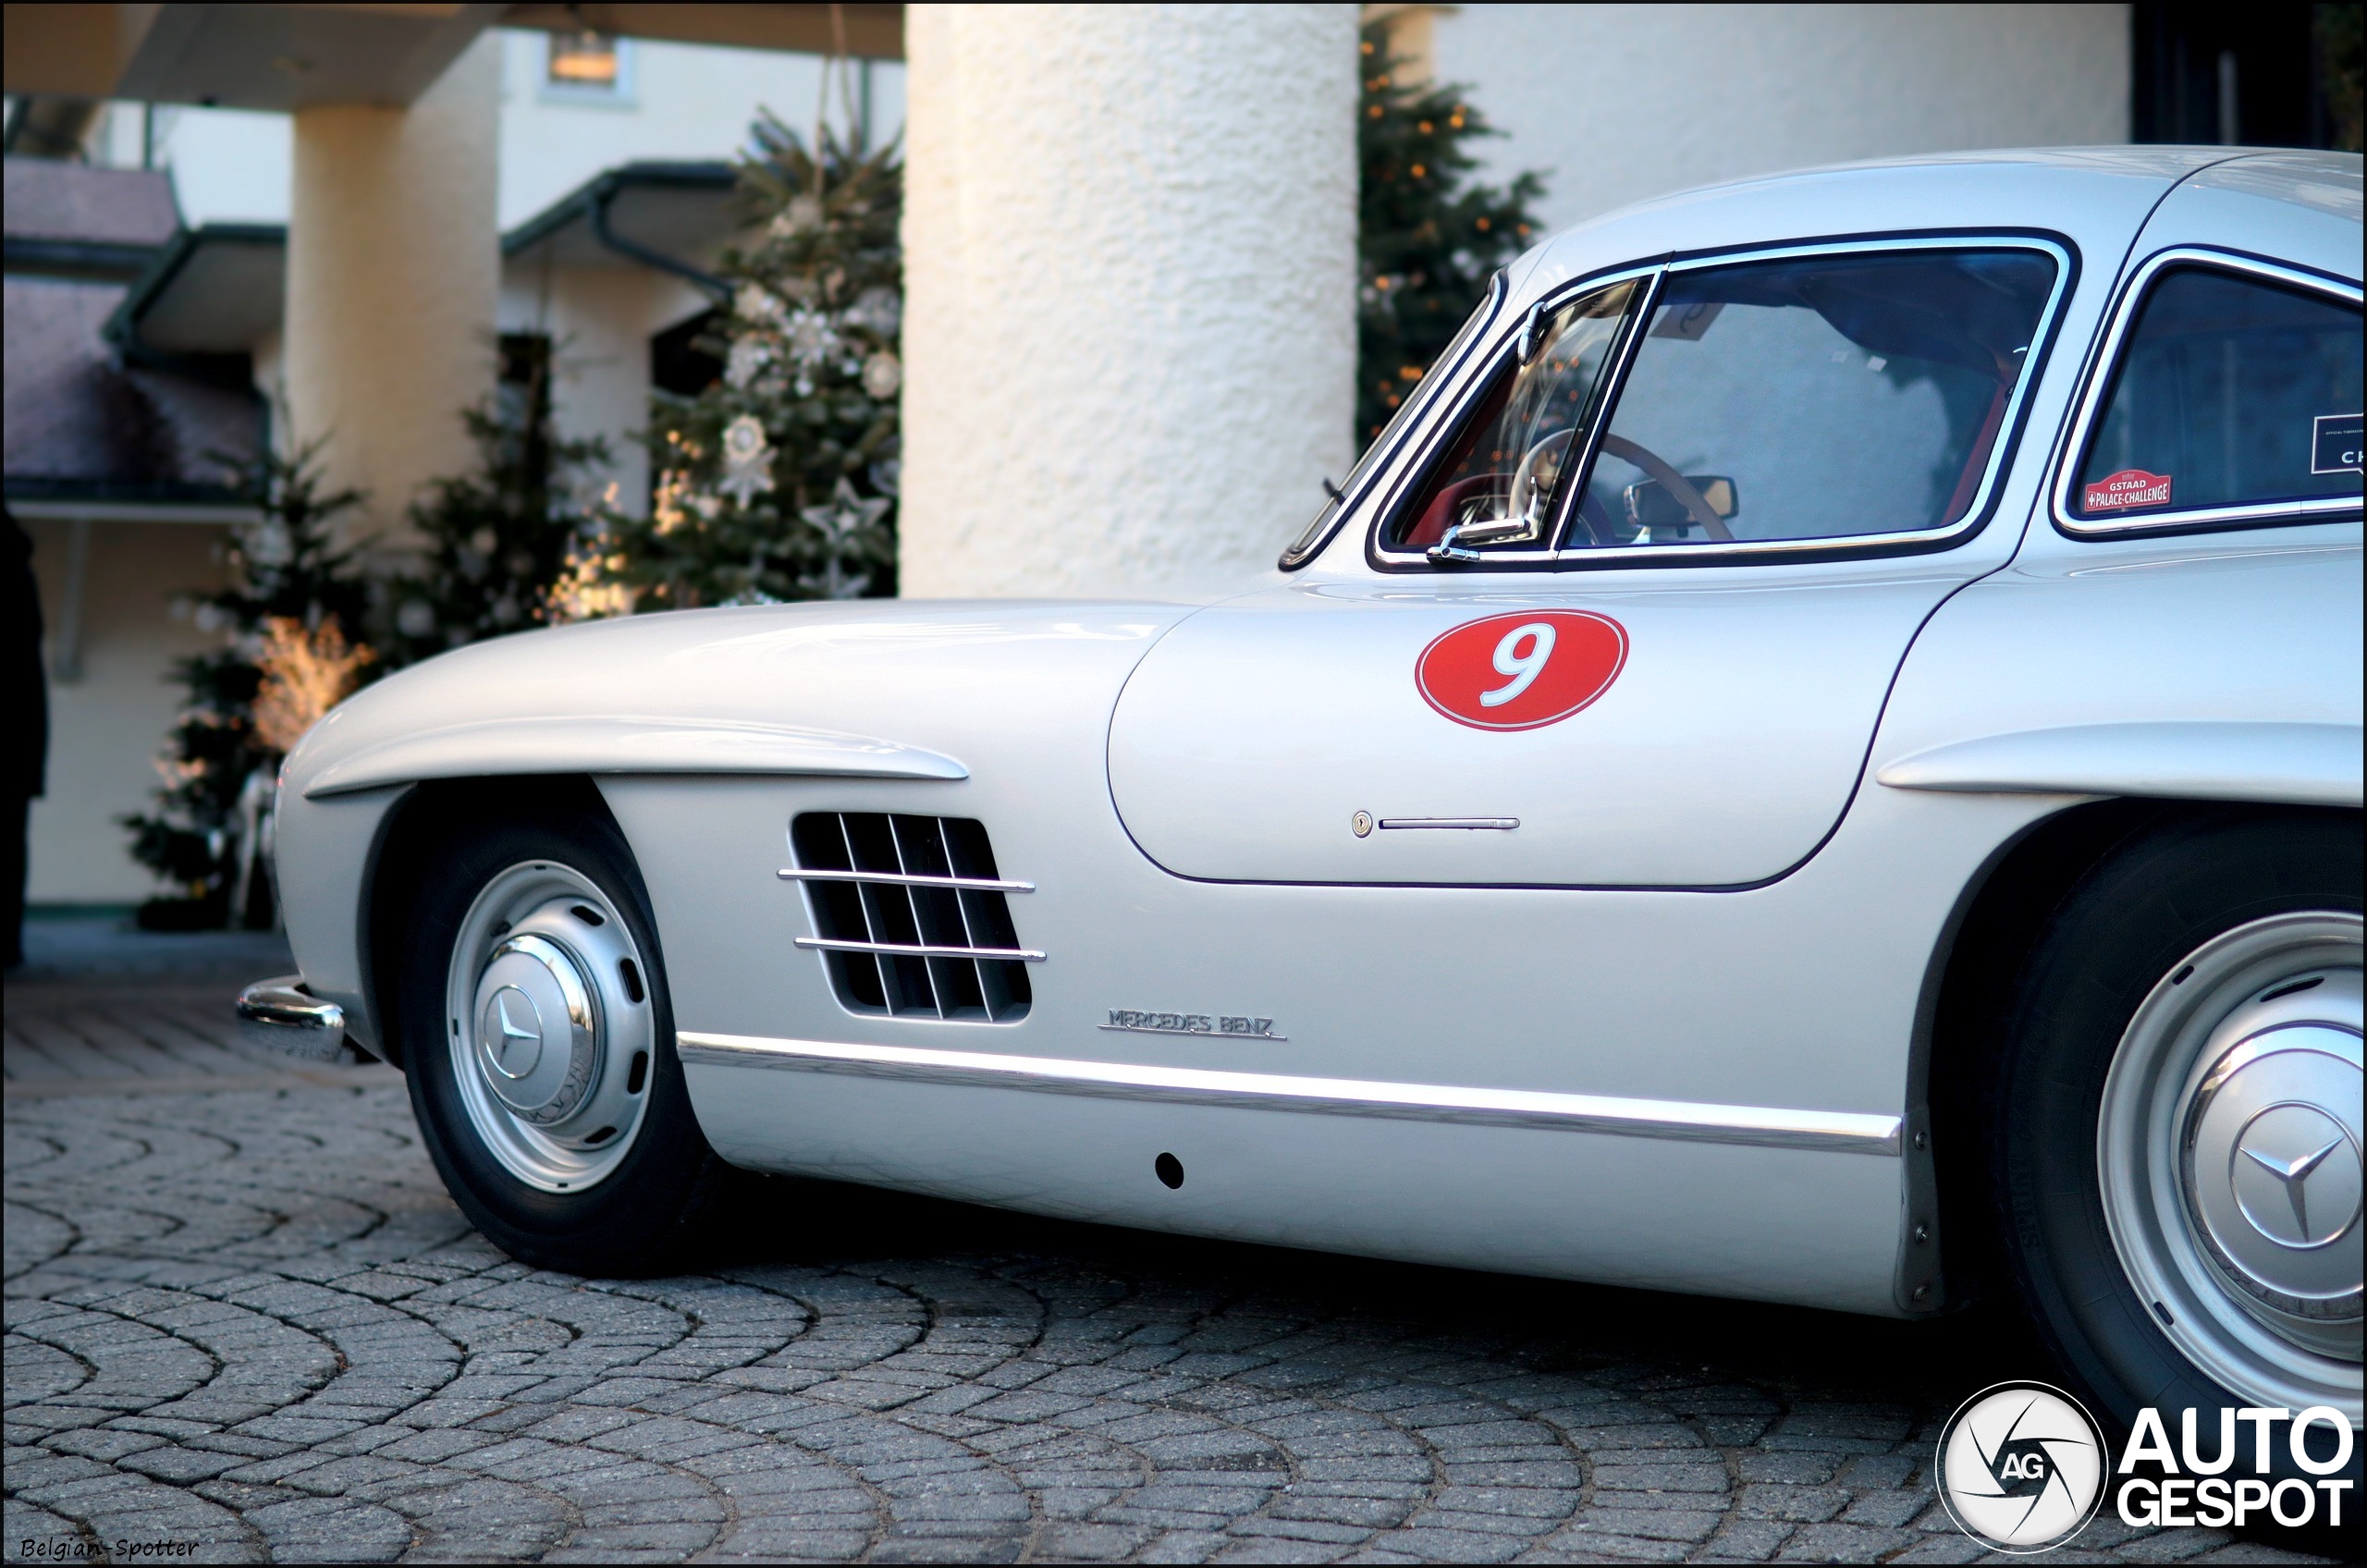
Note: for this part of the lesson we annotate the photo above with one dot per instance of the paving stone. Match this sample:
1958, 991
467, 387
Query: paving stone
218, 1334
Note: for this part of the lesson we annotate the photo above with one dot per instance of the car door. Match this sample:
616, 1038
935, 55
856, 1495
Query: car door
1634, 613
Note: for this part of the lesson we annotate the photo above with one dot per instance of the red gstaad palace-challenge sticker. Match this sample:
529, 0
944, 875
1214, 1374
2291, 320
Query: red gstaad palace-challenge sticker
2125, 491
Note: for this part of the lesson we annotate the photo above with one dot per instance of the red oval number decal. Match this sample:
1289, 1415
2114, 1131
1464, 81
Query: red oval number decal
1523, 671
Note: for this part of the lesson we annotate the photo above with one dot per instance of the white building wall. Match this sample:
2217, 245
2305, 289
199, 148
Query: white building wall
1616, 104
677, 102
106, 728
600, 321
229, 165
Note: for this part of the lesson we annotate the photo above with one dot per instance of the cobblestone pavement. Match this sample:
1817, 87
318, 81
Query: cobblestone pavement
242, 1314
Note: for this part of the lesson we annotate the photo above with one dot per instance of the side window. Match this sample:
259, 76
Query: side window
1815, 398
1494, 487
2230, 391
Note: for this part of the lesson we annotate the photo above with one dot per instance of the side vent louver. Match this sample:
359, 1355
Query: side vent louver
912, 916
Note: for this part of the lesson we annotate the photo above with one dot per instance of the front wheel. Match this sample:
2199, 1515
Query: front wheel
2176, 1127
539, 1038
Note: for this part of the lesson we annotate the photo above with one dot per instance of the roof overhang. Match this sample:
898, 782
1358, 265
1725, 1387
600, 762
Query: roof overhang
671, 216
217, 289
297, 55
221, 288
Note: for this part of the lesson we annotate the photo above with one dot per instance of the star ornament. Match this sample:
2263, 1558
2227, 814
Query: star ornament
845, 515
838, 521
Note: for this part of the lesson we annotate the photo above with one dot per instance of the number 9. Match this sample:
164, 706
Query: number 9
1522, 670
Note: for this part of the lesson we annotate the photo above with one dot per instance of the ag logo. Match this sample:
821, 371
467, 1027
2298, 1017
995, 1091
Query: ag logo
2022, 1467
1523, 671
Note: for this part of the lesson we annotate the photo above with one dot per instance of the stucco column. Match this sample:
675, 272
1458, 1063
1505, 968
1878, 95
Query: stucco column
1130, 274
393, 272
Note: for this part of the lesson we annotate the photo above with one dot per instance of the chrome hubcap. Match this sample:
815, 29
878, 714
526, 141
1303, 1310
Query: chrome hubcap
538, 1035
550, 1026
2271, 1172
2228, 1156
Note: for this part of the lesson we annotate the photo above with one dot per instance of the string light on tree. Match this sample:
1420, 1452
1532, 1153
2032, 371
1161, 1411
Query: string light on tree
1427, 239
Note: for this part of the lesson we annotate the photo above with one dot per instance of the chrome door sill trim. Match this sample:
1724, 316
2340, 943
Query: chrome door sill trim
1760, 1126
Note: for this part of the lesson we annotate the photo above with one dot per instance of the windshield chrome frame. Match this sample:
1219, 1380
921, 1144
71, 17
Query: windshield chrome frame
1975, 516
1374, 460
2105, 373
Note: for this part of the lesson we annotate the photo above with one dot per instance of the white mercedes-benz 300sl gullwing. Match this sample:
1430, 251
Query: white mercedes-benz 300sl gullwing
1817, 759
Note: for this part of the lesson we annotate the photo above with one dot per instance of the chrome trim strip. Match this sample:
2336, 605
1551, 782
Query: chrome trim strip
2107, 363
1501, 823
918, 950
1603, 404
904, 879
1745, 552
1755, 1126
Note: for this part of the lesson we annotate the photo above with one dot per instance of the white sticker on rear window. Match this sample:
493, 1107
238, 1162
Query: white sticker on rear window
2334, 444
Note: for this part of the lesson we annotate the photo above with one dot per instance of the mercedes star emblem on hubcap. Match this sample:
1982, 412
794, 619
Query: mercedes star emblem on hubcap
2295, 1165
513, 1033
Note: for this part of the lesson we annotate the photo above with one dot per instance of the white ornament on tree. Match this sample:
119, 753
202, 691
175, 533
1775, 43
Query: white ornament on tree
812, 338
749, 357
838, 521
801, 214
756, 304
747, 460
878, 309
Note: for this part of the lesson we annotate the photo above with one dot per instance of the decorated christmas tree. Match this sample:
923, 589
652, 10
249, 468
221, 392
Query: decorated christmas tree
500, 539
286, 618
778, 480
1427, 239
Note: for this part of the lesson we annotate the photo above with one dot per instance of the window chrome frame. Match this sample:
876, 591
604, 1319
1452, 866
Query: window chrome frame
1375, 460
1563, 557
2103, 375
1447, 429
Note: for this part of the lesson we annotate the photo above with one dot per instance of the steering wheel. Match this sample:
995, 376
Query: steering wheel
1696, 504
1528, 492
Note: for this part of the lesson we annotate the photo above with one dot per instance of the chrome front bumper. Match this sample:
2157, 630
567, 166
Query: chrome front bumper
280, 1015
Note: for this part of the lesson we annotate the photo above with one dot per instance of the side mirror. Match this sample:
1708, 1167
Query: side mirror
1650, 504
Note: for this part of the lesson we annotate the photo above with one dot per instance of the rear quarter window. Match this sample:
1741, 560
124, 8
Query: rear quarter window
2230, 392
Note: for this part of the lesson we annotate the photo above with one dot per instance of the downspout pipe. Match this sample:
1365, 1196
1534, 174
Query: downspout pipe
603, 192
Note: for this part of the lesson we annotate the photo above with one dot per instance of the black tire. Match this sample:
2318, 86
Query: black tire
2162, 895
644, 1215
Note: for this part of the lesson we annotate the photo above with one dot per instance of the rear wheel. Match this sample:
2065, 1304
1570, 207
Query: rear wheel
538, 1035
2175, 1123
